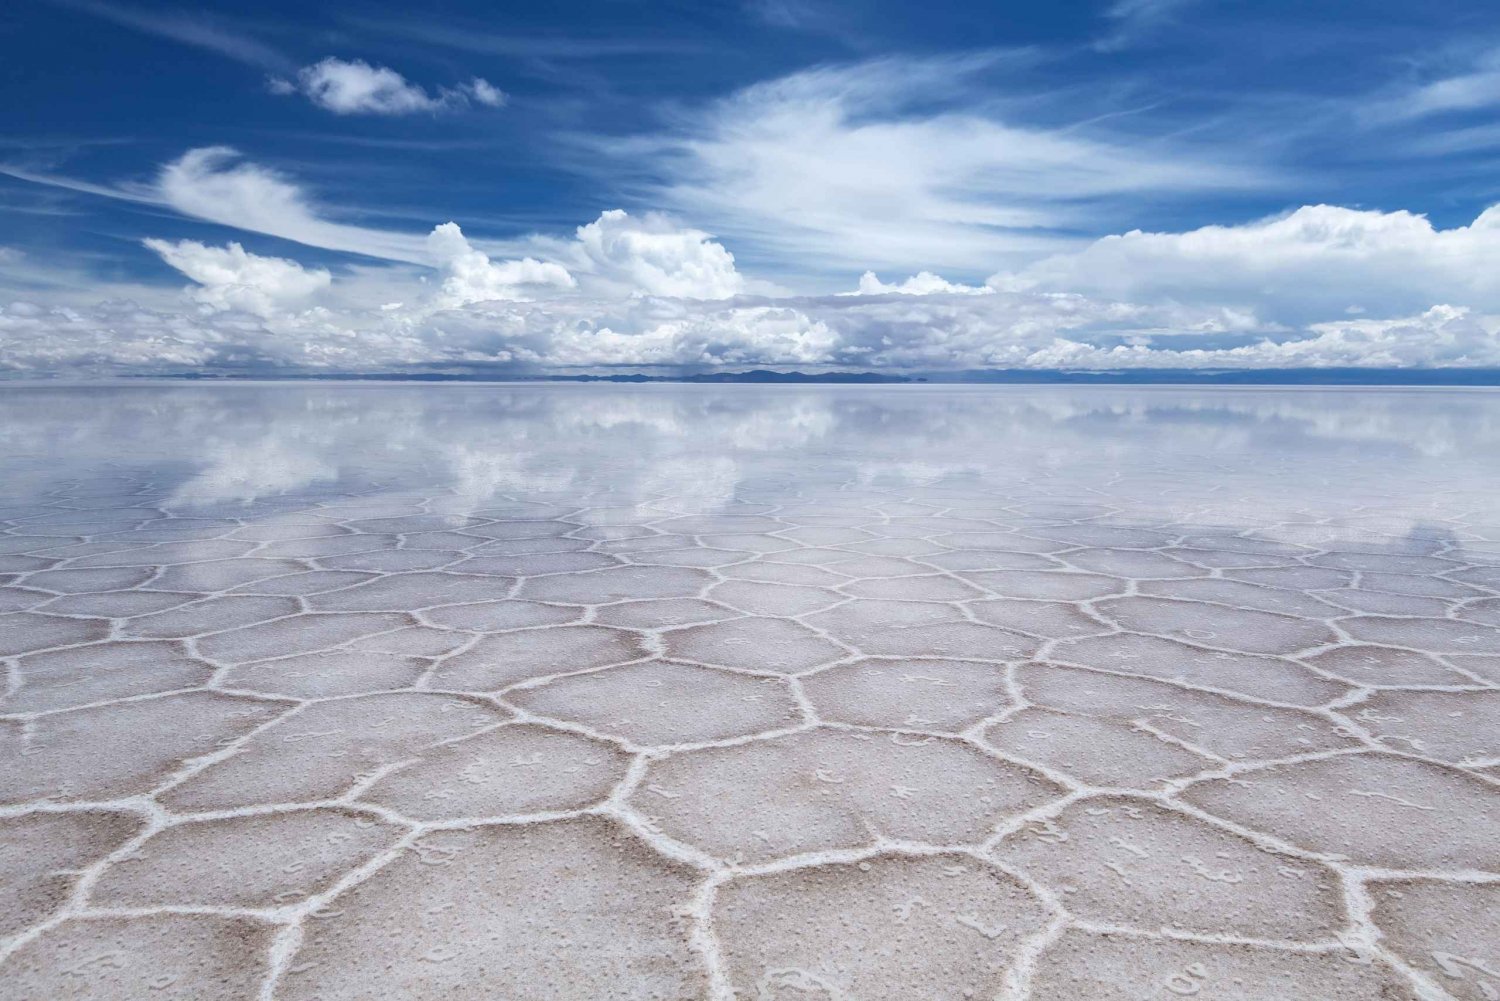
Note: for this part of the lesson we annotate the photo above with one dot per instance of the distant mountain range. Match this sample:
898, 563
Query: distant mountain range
1192, 377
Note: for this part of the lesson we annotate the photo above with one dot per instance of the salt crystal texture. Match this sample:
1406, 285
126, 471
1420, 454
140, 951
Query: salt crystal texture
789, 694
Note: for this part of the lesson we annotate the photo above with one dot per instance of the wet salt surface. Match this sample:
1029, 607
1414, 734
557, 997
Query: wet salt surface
325, 692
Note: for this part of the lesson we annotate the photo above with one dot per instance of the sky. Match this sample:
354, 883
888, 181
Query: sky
820, 185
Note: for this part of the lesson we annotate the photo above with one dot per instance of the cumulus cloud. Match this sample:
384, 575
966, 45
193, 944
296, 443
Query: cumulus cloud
230, 278
652, 255
354, 87
619, 253
1009, 330
921, 283
1305, 266
1320, 286
470, 275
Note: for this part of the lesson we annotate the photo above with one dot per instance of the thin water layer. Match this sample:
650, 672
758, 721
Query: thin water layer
482, 691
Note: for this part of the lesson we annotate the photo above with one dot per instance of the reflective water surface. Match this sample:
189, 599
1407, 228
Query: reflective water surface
1426, 453
476, 691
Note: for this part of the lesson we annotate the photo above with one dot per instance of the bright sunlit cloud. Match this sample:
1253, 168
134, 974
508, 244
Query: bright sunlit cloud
1310, 264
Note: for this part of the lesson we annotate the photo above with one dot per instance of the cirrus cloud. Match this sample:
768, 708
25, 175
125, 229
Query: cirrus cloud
890, 161
212, 183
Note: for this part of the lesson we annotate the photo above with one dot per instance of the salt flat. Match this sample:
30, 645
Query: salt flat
463, 692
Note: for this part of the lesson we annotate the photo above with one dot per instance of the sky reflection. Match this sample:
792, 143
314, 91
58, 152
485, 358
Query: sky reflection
1230, 456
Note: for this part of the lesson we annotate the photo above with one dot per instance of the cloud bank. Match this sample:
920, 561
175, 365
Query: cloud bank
1006, 330
262, 315
1316, 287
1314, 263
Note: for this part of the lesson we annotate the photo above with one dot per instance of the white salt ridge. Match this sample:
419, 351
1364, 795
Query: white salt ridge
919, 728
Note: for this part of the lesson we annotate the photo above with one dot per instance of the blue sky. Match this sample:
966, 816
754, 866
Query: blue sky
1135, 183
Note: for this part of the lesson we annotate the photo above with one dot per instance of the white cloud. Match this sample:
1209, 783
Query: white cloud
483, 92
472, 277
1322, 286
1441, 337
354, 87
1475, 88
886, 164
922, 283
230, 278
1305, 266
210, 183
1011, 330
652, 255
616, 254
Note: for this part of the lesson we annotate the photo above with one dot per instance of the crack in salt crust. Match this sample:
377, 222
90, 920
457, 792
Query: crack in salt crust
819, 737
